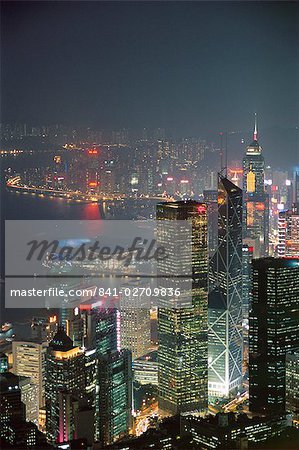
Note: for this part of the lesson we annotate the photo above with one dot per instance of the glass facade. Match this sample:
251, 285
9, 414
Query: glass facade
292, 384
256, 201
3, 363
135, 321
225, 294
65, 385
273, 331
113, 396
288, 233
182, 331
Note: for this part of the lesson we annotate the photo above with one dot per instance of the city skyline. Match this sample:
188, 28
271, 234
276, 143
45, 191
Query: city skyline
149, 285
191, 74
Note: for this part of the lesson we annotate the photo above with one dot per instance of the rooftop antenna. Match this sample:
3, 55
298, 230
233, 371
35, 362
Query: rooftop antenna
255, 127
223, 168
221, 152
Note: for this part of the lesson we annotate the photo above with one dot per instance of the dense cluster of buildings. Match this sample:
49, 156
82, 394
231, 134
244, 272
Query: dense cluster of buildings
150, 168
236, 326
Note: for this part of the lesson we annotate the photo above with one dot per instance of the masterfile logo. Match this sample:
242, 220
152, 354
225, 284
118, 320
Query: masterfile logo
50, 264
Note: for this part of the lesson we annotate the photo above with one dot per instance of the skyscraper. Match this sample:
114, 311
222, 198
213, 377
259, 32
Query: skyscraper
104, 333
225, 294
182, 331
288, 233
43, 328
135, 321
211, 199
65, 385
3, 363
14, 429
29, 361
113, 404
29, 396
247, 256
108, 373
273, 331
296, 188
292, 384
256, 201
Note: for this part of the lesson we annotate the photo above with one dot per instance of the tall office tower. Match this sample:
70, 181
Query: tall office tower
104, 324
95, 326
273, 331
296, 188
113, 396
43, 328
92, 171
65, 385
3, 363
288, 233
145, 369
225, 294
292, 384
108, 374
256, 201
12, 407
29, 361
135, 324
182, 329
247, 257
14, 428
211, 199
77, 328
90, 376
29, 396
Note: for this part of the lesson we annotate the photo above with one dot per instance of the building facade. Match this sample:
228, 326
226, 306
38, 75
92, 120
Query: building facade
225, 294
182, 328
29, 361
292, 384
113, 404
288, 233
273, 331
145, 369
65, 386
256, 201
134, 320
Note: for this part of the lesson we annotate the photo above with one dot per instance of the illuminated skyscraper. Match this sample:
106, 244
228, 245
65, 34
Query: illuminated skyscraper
3, 363
29, 396
14, 429
113, 402
288, 233
256, 201
29, 361
108, 373
135, 321
225, 294
65, 385
105, 330
292, 384
273, 331
43, 328
296, 188
247, 256
211, 199
182, 330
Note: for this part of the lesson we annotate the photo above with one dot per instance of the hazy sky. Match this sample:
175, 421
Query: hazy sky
197, 67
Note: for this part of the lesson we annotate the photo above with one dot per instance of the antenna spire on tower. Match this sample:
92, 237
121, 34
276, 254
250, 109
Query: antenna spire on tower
255, 127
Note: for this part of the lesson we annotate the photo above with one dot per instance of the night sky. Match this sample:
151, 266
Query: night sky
194, 67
